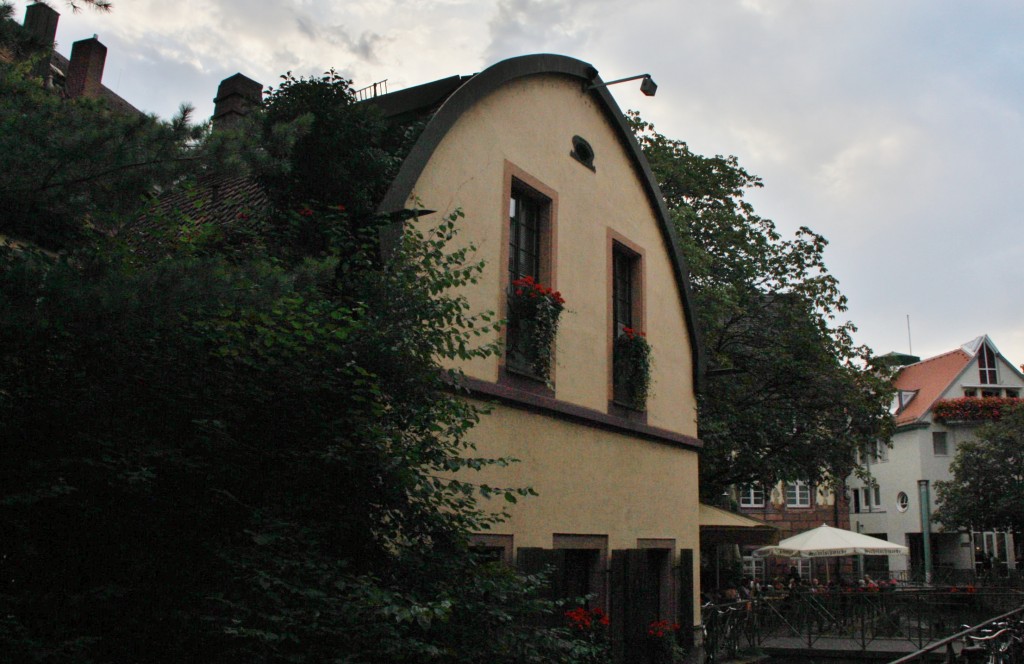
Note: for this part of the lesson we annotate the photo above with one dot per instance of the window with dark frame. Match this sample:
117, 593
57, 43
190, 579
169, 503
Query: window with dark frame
625, 311
524, 214
624, 265
527, 213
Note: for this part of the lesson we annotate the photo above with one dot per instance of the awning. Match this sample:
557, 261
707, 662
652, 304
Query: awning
826, 542
718, 526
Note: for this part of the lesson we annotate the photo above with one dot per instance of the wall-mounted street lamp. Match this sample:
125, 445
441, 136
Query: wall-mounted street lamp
647, 85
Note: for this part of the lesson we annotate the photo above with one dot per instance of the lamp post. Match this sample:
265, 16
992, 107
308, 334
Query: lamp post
926, 527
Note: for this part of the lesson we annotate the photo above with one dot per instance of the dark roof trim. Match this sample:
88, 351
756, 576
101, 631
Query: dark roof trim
539, 403
416, 99
487, 81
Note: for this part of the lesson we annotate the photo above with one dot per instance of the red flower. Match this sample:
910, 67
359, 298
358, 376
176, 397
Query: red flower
582, 619
660, 628
306, 212
341, 208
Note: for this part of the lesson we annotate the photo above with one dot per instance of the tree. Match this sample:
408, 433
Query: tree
786, 395
241, 448
75, 163
339, 151
986, 491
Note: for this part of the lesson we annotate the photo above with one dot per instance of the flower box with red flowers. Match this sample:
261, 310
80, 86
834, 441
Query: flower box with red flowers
973, 409
533, 314
631, 369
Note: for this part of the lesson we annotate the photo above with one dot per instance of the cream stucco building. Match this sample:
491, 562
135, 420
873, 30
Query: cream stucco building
538, 157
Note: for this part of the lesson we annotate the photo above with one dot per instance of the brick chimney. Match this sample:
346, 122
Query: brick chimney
236, 95
85, 73
41, 20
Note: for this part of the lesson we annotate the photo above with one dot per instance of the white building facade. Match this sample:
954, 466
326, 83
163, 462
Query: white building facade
896, 501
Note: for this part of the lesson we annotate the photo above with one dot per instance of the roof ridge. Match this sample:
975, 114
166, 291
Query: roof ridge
938, 357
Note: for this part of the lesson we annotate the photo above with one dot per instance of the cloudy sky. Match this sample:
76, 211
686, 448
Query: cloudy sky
892, 127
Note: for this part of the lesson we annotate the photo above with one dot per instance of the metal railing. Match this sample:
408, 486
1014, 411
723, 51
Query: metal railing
980, 648
372, 90
998, 576
863, 620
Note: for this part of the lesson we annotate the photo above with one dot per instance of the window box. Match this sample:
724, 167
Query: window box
533, 313
969, 409
632, 369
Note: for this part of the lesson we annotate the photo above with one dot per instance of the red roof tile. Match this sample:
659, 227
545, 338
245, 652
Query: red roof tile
929, 378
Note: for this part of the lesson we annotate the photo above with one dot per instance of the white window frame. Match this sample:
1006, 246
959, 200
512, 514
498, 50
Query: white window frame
902, 501
751, 495
988, 366
798, 494
871, 498
753, 567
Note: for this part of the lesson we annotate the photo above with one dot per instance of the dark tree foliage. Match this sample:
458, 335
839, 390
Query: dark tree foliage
987, 488
17, 43
786, 394
77, 164
341, 151
239, 451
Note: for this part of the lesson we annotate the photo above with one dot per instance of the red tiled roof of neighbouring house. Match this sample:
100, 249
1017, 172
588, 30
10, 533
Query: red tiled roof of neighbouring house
929, 379
228, 202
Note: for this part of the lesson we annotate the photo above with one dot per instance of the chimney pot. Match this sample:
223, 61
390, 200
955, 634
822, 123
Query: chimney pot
236, 95
85, 72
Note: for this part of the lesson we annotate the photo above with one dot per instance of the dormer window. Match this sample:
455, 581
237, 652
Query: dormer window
904, 397
987, 374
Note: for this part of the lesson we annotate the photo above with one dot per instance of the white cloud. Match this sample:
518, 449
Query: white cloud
893, 128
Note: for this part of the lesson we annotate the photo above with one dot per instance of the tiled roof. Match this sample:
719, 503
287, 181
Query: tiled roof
60, 65
229, 201
929, 378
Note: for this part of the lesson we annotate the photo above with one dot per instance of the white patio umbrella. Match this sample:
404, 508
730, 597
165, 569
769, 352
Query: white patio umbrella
826, 541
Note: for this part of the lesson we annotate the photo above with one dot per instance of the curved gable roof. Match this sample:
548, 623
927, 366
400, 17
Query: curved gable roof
479, 86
